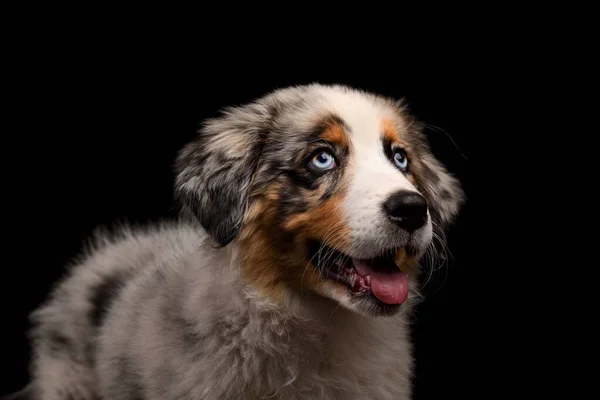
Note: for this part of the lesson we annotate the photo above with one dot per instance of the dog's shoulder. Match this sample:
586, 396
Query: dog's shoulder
111, 263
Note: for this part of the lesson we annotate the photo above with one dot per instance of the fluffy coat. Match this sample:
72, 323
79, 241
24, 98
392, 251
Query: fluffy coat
180, 311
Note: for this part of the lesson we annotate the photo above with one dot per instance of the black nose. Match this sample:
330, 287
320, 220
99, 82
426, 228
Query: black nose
407, 209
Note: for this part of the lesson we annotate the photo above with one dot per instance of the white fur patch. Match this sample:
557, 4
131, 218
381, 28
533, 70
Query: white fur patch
374, 177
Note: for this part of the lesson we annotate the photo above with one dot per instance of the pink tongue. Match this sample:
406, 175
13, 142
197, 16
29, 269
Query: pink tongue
388, 287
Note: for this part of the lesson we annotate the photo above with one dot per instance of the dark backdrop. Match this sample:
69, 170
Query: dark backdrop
96, 136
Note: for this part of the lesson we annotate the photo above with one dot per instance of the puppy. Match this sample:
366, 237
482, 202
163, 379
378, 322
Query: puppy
294, 278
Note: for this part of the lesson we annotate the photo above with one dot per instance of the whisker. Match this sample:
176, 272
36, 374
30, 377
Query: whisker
332, 233
438, 129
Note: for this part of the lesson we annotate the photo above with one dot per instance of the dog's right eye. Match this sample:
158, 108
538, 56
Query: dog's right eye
323, 161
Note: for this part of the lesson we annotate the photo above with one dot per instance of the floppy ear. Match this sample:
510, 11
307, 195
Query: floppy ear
443, 190
214, 172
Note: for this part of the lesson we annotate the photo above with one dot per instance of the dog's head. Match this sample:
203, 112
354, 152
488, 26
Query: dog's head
325, 189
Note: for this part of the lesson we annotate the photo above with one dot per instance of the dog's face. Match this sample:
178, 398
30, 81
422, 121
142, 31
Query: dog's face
325, 190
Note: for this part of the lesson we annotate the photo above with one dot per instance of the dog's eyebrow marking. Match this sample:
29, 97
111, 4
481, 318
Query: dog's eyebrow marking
334, 130
389, 131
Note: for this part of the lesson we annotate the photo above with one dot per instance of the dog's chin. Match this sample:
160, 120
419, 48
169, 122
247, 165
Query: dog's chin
378, 286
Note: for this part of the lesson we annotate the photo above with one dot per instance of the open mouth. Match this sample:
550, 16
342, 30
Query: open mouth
379, 277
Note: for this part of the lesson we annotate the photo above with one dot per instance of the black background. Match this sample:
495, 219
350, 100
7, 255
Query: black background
98, 127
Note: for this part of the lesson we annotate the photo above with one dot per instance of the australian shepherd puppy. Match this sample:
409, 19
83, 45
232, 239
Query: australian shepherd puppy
294, 280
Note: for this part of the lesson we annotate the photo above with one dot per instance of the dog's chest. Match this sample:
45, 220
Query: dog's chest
356, 362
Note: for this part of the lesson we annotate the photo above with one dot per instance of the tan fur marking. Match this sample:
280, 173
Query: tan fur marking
405, 263
390, 132
323, 223
336, 134
275, 251
259, 253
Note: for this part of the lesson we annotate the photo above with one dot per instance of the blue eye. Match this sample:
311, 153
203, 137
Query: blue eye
400, 159
323, 161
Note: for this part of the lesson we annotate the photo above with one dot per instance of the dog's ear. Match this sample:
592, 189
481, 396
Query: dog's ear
443, 190
214, 172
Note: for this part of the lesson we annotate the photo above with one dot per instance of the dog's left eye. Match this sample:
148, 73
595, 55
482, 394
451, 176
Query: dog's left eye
323, 161
400, 159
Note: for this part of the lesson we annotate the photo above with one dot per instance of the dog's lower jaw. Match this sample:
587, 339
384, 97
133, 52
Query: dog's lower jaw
313, 294
277, 265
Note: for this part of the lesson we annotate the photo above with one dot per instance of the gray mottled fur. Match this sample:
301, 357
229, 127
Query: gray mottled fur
163, 313
186, 326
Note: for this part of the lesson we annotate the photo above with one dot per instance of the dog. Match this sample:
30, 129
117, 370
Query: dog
291, 273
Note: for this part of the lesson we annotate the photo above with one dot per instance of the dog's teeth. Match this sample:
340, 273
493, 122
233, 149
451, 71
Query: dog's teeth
369, 280
400, 257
